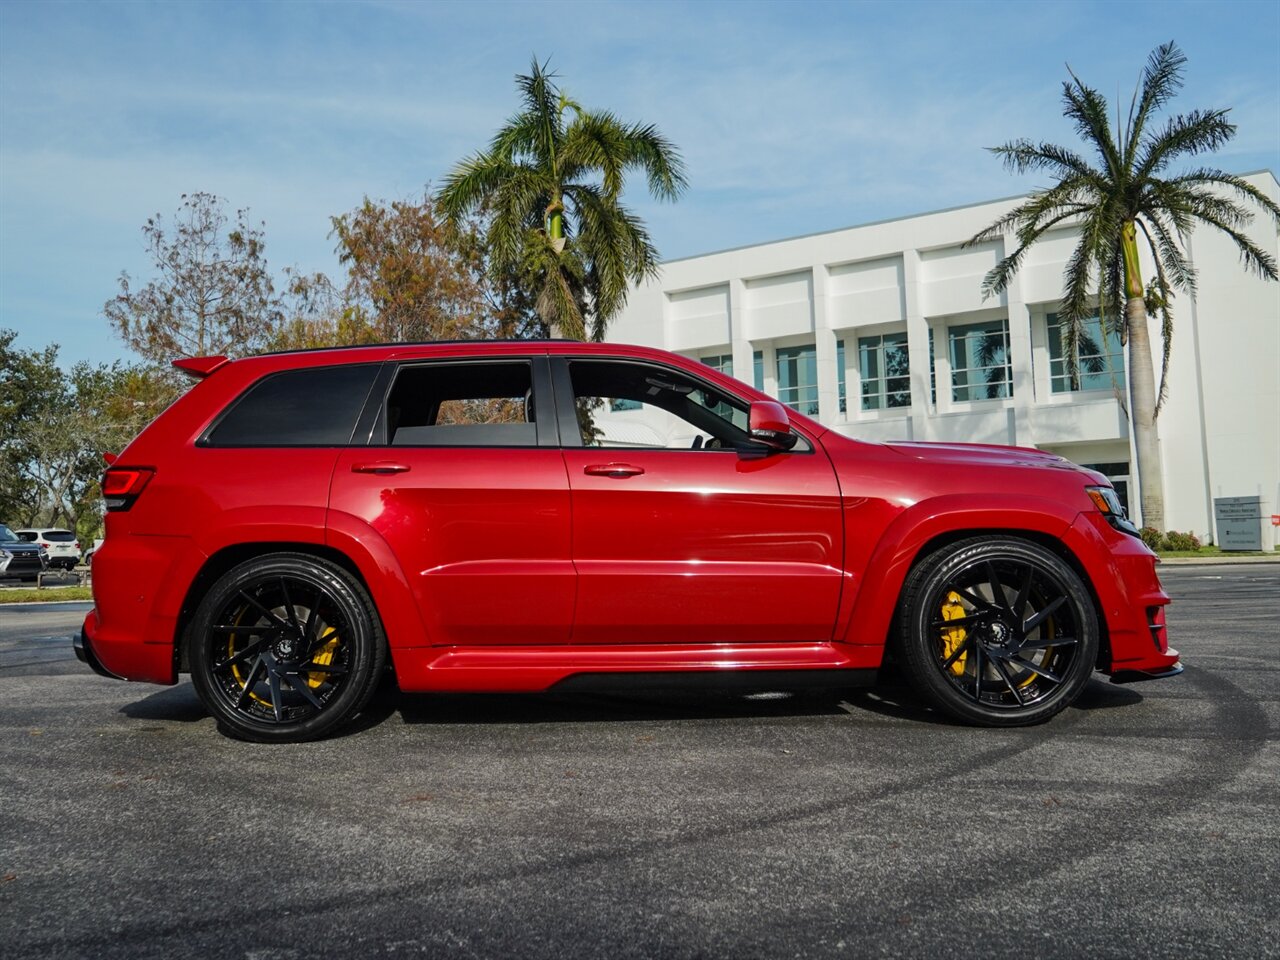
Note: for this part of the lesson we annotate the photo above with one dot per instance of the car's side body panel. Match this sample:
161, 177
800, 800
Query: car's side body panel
480, 535
705, 547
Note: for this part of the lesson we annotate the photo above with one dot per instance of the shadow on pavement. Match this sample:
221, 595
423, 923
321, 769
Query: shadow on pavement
178, 703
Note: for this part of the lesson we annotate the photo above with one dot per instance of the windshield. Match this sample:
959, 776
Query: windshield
7, 535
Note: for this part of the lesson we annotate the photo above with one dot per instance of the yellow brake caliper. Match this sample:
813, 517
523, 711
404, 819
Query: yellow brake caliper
953, 637
323, 657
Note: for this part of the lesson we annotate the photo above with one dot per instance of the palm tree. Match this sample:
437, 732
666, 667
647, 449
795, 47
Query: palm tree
1114, 202
550, 184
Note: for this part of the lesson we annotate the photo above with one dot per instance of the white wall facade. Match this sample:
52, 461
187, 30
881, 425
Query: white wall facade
857, 292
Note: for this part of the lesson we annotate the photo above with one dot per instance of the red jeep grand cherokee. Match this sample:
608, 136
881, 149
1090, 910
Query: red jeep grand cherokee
503, 516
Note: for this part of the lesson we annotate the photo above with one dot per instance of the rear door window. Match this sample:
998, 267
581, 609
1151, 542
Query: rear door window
463, 404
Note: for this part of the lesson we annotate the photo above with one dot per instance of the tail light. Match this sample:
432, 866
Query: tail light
122, 485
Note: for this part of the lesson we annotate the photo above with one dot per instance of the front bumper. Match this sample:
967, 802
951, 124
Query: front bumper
1130, 598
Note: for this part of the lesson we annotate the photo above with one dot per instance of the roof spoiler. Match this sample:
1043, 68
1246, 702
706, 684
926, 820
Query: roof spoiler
199, 367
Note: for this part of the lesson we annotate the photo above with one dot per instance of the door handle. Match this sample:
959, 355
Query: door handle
380, 467
619, 471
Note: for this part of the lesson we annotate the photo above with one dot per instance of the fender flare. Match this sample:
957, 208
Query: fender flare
867, 619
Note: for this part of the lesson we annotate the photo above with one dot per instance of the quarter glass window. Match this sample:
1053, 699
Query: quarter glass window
313, 407
980, 368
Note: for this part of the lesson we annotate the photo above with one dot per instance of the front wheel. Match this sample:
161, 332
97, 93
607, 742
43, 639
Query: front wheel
285, 648
997, 631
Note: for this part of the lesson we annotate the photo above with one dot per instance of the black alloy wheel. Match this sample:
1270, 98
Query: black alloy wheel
285, 648
997, 631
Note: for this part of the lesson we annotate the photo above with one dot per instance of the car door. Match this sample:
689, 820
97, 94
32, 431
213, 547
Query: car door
464, 481
683, 530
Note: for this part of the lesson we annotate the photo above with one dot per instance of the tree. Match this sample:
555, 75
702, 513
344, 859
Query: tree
212, 293
55, 426
1123, 196
550, 185
410, 277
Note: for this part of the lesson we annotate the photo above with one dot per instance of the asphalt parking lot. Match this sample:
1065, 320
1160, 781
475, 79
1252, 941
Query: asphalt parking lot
1145, 821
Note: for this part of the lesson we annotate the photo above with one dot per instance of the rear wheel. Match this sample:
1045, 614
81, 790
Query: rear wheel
285, 648
997, 631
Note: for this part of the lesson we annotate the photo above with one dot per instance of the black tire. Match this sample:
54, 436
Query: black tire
997, 631
285, 648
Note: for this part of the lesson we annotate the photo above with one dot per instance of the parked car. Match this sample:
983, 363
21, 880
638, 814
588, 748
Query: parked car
510, 516
61, 545
20, 558
87, 557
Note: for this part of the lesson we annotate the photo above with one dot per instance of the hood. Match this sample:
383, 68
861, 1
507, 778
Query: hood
19, 546
980, 453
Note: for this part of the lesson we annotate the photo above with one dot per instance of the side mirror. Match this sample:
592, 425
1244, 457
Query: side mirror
769, 425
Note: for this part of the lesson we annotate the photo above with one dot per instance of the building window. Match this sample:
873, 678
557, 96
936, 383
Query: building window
1101, 358
980, 368
885, 367
840, 375
724, 363
798, 378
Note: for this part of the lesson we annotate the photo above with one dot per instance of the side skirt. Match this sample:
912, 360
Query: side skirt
530, 669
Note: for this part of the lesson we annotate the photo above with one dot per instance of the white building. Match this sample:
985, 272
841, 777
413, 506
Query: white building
881, 332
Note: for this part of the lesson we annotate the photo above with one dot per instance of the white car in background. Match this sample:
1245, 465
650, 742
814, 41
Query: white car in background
61, 545
87, 557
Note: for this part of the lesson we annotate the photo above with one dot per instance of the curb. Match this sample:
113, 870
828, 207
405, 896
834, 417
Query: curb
1214, 561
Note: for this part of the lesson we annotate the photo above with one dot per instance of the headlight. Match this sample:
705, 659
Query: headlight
1108, 503
5, 555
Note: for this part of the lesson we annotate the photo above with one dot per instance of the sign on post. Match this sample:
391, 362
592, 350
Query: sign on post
1239, 522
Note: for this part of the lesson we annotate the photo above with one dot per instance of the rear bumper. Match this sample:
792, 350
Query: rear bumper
123, 657
85, 654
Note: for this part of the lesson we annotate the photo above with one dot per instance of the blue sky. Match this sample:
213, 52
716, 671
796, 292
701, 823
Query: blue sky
792, 117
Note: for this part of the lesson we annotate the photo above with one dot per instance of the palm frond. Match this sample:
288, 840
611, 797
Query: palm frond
1161, 80
1237, 185
542, 97
1201, 131
1024, 156
1088, 110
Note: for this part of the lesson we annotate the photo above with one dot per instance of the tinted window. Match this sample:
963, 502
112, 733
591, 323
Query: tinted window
28, 535
7, 535
463, 404
59, 536
316, 407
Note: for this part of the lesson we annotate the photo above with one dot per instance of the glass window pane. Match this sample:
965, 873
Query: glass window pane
885, 365
798, 378
1100, 358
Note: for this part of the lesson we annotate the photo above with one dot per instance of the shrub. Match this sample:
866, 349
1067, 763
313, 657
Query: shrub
1173, 540
1151, 537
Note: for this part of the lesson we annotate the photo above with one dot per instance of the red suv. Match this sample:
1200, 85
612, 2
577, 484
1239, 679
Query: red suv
504, 516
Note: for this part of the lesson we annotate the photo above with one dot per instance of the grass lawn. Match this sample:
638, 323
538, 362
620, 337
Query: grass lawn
32, 595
